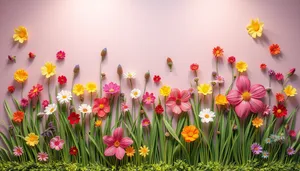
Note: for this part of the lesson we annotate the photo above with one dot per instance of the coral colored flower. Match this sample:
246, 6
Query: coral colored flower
50, 109
24, 102
263, 66
159, 109
35, 91
218, 51
148, 98
256, 148
78, 89
165, 90
18, 151
74, 118
207, 115
21, 34
231, 60
145, 122
130, 151
45, 103
42, 156
91, 87
32, 139
279, 97
255, 28
98, 123
85, 108
144, 151
135, 93
124, 107
290, 151
21, 75
116, 143
156, 78
101, 107
246, 97
204, 89
64, 96
279, 111
31, 55
279, 76
194, 67
292, 133
73, 151
11, 89
190, 133
221, 100
48, 70
111, 88
56, 143
257, 122
130, 75
291, 72
60, 55
290, 91
18, 116
178, 101
274, 49
266, 110
62, 80
241, 66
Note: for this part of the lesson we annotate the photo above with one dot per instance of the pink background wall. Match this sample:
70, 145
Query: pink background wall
140, 35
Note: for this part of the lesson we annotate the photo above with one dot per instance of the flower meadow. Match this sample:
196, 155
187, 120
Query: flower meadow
236, 127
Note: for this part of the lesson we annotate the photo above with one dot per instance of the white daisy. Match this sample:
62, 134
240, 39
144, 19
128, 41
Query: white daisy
135, 93
64, 96
130, 75
207, 116
85, 108
51, 108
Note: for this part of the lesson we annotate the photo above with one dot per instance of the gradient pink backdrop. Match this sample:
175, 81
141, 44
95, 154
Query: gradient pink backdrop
140, 34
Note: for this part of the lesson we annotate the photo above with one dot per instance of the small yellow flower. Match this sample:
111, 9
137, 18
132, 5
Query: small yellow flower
78, 89
32, 139
255, 28
130, 151
165, 90
221, 100
48, 70
144, 151
204, 89
241, 66
290, 91
91, 87
21, 75
98, 123
257, 122
21, 34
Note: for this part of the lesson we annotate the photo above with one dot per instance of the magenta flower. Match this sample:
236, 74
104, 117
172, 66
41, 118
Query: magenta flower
279, 76
290, 151
111, 88
18, 151
256, 148
145, 122
60, 55
148, 98
246, 97
57, 143
45, 103
116, 144
179, 101
266, 110
24, 102
42, 156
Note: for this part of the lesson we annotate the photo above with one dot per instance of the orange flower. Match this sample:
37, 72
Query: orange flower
218, 51
279, 97
18, 116
190, 133
263, 66
274, 49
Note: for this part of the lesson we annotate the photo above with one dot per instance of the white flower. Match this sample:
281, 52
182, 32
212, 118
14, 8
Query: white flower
51, 108
64, 97
130, 75
135, 93
207, 116
85, 108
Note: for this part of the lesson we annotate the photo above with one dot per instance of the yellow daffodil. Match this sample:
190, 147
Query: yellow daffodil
290, 91
204, 89
21, 34
78, 89
21, 75
255, 28
241, 66
165, 90
91, 87
221, 100
48, 70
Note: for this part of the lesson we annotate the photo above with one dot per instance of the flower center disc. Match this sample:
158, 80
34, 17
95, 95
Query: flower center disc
117, 144
246, 96
206, 115
101, 106
190, 134
178, 102
279, 111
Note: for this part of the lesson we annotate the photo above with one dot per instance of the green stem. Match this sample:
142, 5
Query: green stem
100, 89
22, 90
217, 62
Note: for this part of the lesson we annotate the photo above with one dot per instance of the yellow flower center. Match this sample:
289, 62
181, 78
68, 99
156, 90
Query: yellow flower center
111, 90
279, 111
135, 93
84, 110
246, 96
206, 115
190, 134
117, 144
35, 90
101, 106
52, 110
64, 96
255, 26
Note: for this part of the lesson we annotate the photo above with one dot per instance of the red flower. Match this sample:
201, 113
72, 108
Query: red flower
274, 49
231, 59
291, 72
45, 103
74, 118
60, 55
263, 66
11, 89
31, 55
34, 92
73, 151
62, 79
159, 109
156, 78
194, 67
101, 106
279, 97
279, 111
218, 51
292, 133
279, 76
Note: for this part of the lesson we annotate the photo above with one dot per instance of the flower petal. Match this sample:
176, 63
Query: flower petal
118, 134
243, 83
175, 92
256, 105
185, 106
242, 109
257, 91
176, 109
125, 142
185, 96
120, 152
108, 140
171, 102
234, 97
110, 151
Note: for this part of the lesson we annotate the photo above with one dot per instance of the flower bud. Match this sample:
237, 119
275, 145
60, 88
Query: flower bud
268, 89
213, 83
31, 55
218, 132
103, 53
167, 134
196, 79
76, 69
142, 111
170, 63
120, 70
291, 72
103, 75
81, 98
147, 76
214, 73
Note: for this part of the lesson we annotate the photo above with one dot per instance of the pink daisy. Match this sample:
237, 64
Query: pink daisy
111, 88
148, 98
18, 151
42, 156
124, 107
56, 143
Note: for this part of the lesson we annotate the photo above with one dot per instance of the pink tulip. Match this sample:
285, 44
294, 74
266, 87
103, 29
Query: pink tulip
116, 144
179, 101
246, 97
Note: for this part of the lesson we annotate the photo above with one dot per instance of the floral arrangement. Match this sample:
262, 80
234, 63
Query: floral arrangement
233, 127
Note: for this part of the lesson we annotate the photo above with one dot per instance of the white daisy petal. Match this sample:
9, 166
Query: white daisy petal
207, 116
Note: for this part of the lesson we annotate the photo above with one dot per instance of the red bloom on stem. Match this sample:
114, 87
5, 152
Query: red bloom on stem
231, 59
292, 133
279, 76
101, 106
45, 103
263, 66
34, 92
73, 151
291, 72
60, 55
159, 109
156, 78
279, 97
274, 49
11, 89
194, 67
62, 80
279, 111
218, 51
74, 118
31, 55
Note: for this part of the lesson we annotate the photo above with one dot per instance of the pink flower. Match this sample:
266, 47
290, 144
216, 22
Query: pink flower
179, 101
145, 122
292, 133
279, 76
45, 103
101, 106
246, 97
42, 156
24, 102
148, 98
111, 88
57, 143
18, 151
60, 55
124, 107
116, 144
219, 79
266, 110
